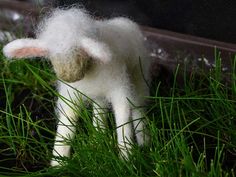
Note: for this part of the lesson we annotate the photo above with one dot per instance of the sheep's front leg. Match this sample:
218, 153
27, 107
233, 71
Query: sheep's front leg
99, 113
65, 131
122, 112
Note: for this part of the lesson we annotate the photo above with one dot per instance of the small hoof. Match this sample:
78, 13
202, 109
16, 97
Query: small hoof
55, 163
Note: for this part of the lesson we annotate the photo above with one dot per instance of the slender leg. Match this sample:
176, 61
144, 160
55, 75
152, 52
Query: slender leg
65, 130
99, 113
122, 112
139, 124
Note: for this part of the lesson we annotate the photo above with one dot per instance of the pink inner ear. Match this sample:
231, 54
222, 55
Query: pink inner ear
29, 52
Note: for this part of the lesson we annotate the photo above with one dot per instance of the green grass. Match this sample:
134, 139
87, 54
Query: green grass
192, 127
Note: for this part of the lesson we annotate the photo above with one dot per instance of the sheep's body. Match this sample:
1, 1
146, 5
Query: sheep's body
116, 74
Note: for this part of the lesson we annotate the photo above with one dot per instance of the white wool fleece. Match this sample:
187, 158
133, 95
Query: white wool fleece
64, 29
106, 60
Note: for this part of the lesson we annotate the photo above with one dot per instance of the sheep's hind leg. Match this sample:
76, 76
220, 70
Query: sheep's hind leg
122, 112
138, 116
140, 128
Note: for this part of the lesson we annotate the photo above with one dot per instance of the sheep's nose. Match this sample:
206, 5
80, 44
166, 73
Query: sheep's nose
70, 77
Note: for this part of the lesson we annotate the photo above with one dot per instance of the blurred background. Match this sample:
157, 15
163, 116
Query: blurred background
212, 19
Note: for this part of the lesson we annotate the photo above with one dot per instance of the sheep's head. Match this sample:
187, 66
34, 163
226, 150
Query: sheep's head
69, 66
72, 68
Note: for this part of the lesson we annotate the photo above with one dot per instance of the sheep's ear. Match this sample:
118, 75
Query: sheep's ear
97, 50
25, 48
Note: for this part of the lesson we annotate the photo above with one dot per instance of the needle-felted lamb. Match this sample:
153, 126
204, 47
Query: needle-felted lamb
104, 59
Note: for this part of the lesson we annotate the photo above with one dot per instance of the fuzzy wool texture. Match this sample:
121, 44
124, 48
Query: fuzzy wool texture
106, 60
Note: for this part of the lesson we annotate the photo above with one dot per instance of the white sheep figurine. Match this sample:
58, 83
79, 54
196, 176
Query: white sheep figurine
106, 60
